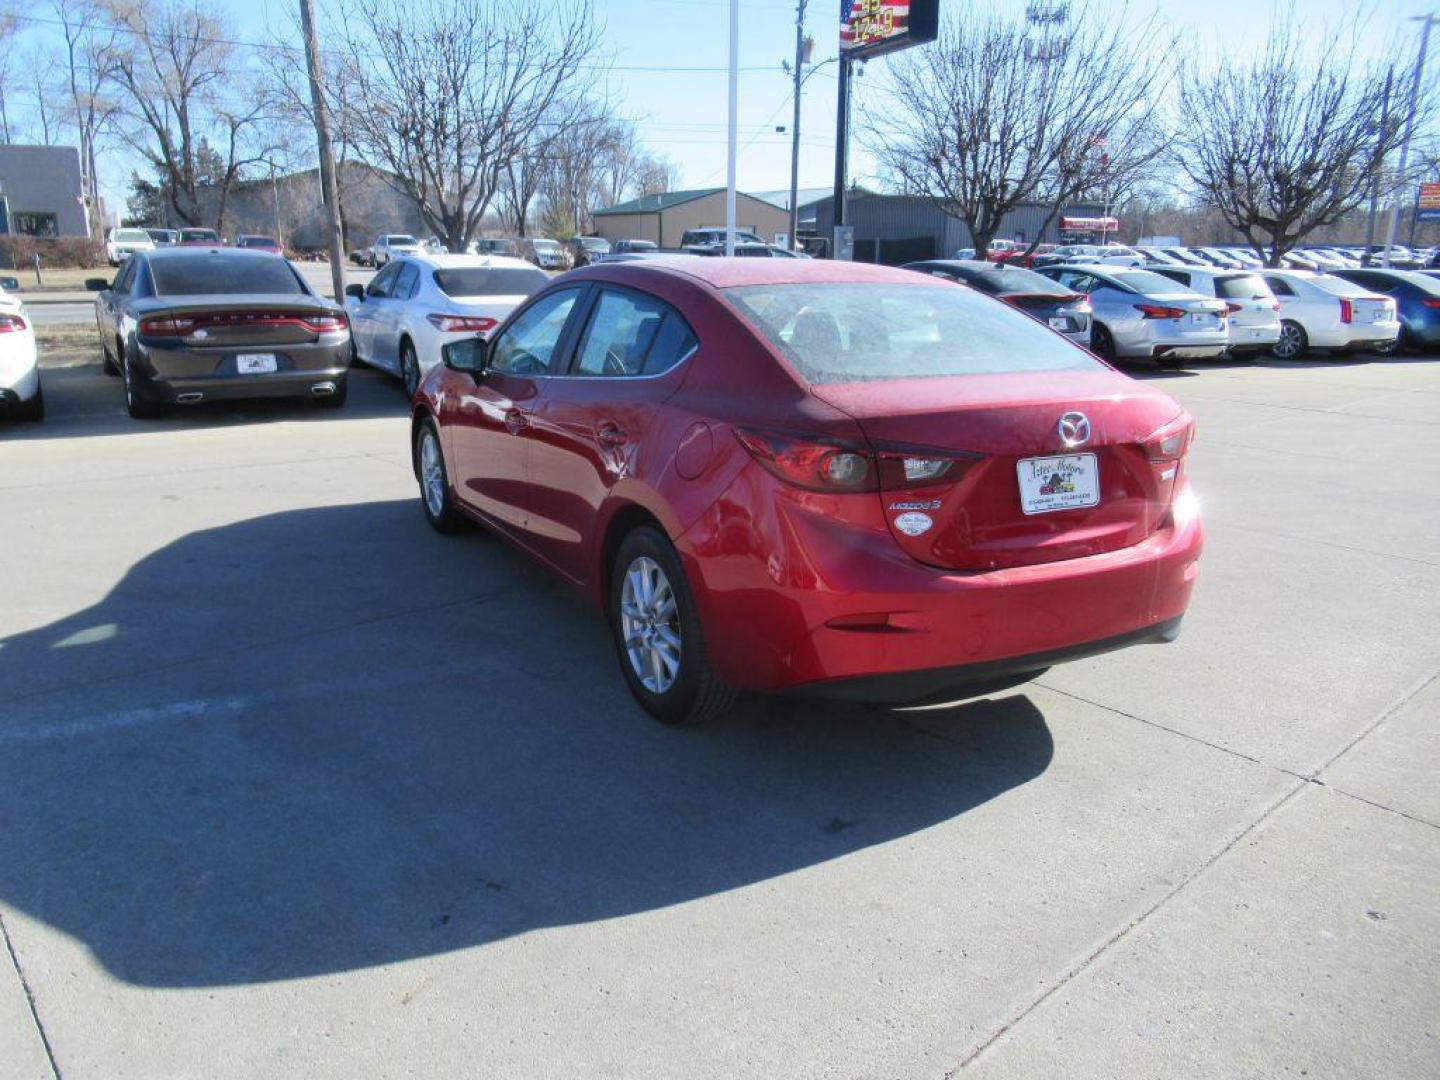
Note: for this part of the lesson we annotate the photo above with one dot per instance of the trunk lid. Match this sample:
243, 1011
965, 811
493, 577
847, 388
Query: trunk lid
995, 425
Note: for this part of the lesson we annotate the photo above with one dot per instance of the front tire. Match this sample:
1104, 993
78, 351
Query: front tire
658, 639
1293, 343
435, 497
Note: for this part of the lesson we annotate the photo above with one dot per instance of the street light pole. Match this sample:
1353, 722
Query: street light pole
795, 128
1429, 21
733, 140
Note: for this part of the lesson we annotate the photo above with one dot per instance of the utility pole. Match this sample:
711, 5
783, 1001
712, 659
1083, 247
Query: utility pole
734, 105
1375, 180
842, 149
327, 155
1429, 21
795, 128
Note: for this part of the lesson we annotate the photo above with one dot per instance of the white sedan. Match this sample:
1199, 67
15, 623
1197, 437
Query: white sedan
418, 303
1321, 311
20, 394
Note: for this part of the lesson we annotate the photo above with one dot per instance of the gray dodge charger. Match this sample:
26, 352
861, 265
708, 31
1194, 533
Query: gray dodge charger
185, 325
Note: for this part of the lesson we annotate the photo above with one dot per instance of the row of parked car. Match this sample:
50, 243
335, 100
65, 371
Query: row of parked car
578, 251
1229, 257
121, 243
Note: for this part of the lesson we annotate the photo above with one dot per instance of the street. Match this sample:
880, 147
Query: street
292, 785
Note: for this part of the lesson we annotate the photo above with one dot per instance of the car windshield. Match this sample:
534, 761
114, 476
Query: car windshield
1143, 281
209, 235
489, 281
1242, 287
258, 241
594, 244
127, 236
838, 333
395, 240
205, 275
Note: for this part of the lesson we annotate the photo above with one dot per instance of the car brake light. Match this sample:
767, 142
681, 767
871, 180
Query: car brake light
1431, 303
450, 324
9, 324
325, 324
1346, 311
1158, 311
184, 325
165, 326
1170, 442
820, 464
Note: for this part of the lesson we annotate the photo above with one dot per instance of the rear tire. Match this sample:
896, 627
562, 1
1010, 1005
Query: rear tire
409, 368
107, 365
435, 497
1101, 342
650, 600
33, 410
1293, 343
136, 404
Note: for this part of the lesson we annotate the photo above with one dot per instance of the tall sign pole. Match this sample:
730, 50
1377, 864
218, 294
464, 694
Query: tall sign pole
327, 153
842, 143
734, 104
795, 127
1429, 20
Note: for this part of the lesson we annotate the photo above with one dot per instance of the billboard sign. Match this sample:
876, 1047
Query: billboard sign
871, 28
1427, 204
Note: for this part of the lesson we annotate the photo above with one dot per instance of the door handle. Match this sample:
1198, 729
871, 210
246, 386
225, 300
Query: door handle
515, 421
610, 435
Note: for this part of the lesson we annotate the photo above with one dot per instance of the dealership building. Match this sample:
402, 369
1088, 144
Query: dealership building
40, 191
663, 219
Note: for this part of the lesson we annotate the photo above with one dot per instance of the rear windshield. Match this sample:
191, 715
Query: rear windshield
1143, 281
592, 244
126, 236
838, 333
1242, 287
401, 240
1014, 280
258, 241
1338, 286
545, 245
199, 234
203, 275
490, 281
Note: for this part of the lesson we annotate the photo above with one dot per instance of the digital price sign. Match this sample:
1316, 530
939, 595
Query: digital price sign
871, 28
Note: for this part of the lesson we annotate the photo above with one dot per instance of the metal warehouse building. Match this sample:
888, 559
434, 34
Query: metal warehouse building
896, 229
664, 218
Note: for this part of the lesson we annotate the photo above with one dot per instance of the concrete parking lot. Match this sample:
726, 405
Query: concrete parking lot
292, 786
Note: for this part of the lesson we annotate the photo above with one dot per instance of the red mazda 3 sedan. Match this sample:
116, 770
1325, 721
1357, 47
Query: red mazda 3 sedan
784, 474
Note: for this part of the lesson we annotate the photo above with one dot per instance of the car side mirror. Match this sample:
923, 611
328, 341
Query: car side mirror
97, 284
470, 355
357, 291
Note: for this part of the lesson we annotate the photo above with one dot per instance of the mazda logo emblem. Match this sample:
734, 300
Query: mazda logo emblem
1074, 429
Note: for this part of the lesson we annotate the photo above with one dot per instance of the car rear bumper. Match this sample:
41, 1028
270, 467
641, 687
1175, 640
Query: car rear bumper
1254, 337
190, 376
817, 601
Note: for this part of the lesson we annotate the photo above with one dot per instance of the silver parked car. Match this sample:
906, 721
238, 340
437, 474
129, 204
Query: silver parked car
418, 303
1139, 314
1252, 310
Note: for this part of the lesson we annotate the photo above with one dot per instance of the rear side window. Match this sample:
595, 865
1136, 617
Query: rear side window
203, 275
1174, 275
405, 282
1242, 287
1279, 286
854, 332
632, 334
490, 281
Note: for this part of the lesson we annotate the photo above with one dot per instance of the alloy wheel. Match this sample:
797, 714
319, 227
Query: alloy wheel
432, 474
409, 369
650, 625
1288, 347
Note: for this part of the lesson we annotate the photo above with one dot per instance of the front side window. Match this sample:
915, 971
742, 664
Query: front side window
857, 332
631, 334
528, 344
379, 286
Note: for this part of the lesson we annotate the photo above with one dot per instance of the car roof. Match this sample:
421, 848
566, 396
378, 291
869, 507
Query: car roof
455, 262
723, 273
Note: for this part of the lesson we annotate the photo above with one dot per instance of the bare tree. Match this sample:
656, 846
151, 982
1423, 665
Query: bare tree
573, 172
981, 123
657, 174
88, 37
449, 91
175, 67
9, 27
1289, 142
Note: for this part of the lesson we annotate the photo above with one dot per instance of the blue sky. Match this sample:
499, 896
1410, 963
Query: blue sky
682, 113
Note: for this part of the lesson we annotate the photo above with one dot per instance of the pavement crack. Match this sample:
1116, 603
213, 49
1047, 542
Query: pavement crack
29, 998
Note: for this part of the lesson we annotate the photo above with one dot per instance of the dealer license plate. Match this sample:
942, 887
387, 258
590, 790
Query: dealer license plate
255, 363
1200, 318
1059, 324
1068, 482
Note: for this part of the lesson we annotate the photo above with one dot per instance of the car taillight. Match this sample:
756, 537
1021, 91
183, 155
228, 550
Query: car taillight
472, 324
9, 324
818, 464
1170, 442
1431, 303
1346, 310
1159, 311
325, 324
1275, 305
1232, 308
166, 326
